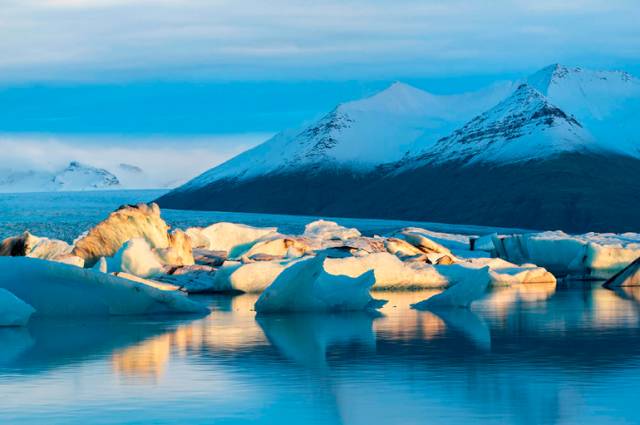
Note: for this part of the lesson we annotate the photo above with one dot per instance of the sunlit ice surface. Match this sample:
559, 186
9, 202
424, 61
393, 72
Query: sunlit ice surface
535, 354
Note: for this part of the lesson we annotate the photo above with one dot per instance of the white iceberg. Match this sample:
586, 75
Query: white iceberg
278, 246
596, 255
307, 287
28, 245
232, 238
329, 230
137, 258
389, 271
250, 277
472, 287
13, 311
126, 223
55, 289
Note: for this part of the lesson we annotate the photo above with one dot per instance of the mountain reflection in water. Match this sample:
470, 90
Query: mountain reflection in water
526, 354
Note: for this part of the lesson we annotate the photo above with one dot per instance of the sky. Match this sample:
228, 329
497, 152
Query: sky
216, 76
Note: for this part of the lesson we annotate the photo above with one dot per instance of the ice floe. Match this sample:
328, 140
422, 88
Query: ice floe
329, 230
307, 287
595, 255
55, 289
232, 238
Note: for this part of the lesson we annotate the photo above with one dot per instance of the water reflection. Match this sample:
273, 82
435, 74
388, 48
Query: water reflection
304, 339
527, 354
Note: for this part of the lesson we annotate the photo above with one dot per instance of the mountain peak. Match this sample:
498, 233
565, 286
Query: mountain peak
523, 126
556, 77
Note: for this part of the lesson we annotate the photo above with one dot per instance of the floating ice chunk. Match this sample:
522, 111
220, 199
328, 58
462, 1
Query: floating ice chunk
137, 258
13, 311
401, 248
249, 277
49, 249
420, 238
389, 271
329, 230
504, 273
126, 223
472, 287
277, 246
435, 240
193, 279
101, 265
591, 254
28, 245
179, 252
198, 238
485, 243
55, 289
307, 287
629, 276
233, 238
209, 258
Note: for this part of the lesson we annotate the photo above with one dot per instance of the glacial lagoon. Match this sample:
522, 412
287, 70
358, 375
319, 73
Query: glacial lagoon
528, 354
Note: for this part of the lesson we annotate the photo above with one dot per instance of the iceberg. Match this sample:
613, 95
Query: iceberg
194, 279
56, 289
307, 287
255, 277
388, 270
13, 311
278, 247
329, 230
126, 223
137, 258
629, 276
229, 237
28, 245
594, 255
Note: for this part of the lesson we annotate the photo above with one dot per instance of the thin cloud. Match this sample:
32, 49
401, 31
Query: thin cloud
284, 39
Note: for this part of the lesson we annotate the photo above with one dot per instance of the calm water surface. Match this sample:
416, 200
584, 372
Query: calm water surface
534, 354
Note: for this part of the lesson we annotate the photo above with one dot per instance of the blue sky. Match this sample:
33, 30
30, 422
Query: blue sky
193, 72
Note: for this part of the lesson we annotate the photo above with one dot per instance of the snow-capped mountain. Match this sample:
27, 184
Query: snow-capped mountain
75, 177
607, 103
560, 149
524, 126
360, 135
